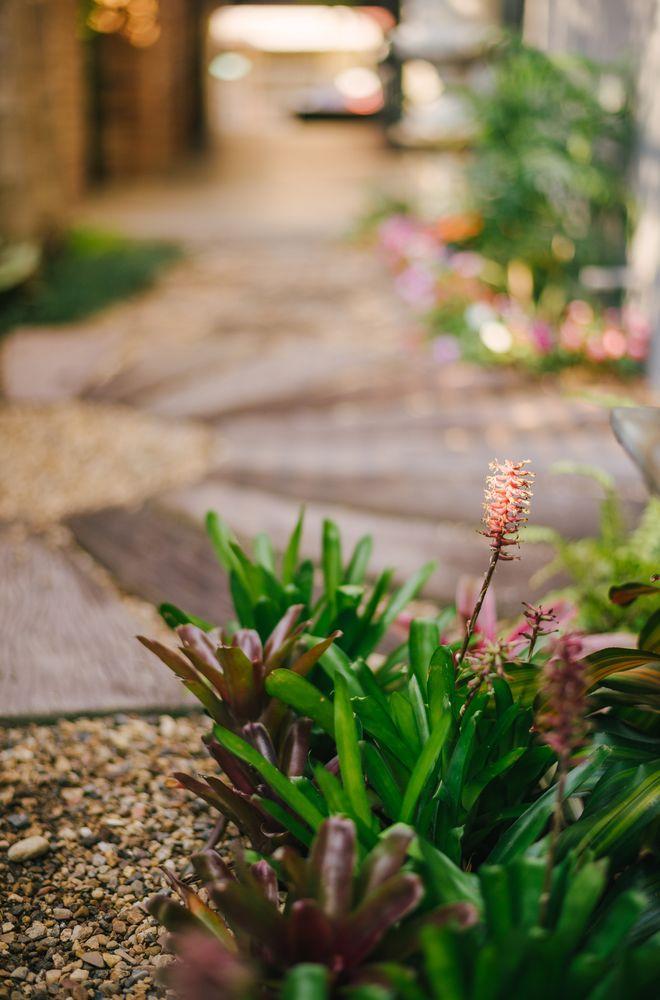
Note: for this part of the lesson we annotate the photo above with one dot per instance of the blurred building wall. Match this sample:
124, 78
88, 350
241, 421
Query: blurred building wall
42, 116
612, 30
74, 107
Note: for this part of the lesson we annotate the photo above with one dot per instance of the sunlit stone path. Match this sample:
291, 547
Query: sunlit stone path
280, 358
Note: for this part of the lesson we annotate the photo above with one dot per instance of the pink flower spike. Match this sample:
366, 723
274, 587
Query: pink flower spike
506, 503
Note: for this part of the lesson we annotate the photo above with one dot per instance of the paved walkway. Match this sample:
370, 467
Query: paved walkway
271, 366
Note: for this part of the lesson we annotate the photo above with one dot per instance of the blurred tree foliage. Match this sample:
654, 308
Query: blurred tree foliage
548, 174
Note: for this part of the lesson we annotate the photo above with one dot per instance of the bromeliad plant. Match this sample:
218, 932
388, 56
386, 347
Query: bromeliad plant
338, 912
466, 819
263, 590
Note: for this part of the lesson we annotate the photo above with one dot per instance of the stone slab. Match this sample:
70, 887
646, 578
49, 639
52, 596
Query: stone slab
68, 642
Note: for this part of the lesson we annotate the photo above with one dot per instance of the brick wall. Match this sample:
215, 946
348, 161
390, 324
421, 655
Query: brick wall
148, 98
42, 116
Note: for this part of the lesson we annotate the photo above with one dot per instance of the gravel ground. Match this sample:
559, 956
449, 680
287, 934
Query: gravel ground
76, 456
99, 791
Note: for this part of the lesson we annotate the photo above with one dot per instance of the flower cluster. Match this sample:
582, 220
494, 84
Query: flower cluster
564, 686
506, 503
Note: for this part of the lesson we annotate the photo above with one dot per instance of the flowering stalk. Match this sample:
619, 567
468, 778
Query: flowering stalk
506, 506
485, 665
537, 619
563, 727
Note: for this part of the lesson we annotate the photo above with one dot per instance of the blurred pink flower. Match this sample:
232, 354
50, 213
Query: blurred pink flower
416, 286
446, 349
467, 592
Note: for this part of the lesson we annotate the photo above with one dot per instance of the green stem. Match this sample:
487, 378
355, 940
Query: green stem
469, 628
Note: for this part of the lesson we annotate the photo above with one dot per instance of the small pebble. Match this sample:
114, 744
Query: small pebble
93, 958
26, 850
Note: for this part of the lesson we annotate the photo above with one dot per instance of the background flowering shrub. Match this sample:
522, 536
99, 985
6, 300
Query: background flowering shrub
466, 303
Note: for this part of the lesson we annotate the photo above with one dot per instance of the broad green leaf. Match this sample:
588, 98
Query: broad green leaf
280, 784
304, 581
357, 567
498, 904
423, 640
303, 697
446, 881
419, 710
530, 825
242, 601
263, 551
348, 750
527, 879
633, 810
424, 768
331, 559
404, 717
583, 891
332, 791
290, 557
460, 758
382, 780
285, 819
380, 725
404, 595
441, 683
473, 790
221, 539
174, 617
306, 982
443, 965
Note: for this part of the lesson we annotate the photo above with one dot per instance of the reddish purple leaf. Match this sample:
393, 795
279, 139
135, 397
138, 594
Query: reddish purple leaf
331, 866
311, 935
293, 757
282, 630
386, 858
392, 901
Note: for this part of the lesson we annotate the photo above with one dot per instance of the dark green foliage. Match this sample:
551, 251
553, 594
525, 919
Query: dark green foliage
87, 272
586, 949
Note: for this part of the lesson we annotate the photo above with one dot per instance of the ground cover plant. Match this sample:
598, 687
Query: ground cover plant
472, 817
87, 271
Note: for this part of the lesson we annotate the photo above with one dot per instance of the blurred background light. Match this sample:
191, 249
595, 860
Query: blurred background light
358, 82
290, 28
230, 66
422, 84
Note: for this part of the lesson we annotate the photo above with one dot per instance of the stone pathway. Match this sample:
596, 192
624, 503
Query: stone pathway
269, 368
